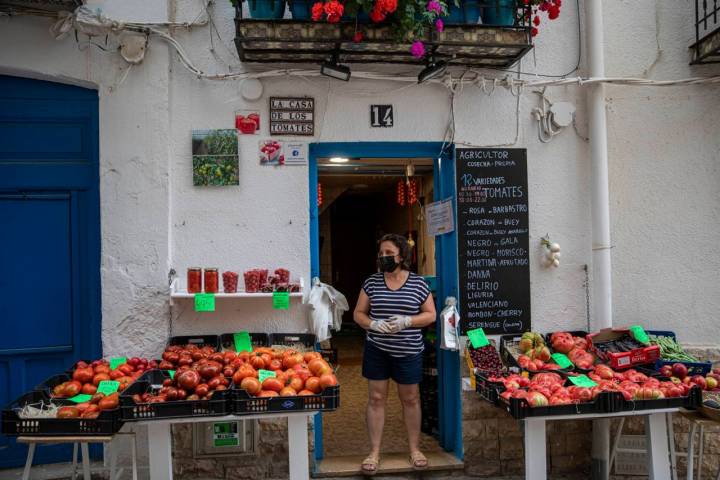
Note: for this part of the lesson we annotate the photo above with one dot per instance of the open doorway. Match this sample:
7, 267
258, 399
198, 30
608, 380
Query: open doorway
361, 200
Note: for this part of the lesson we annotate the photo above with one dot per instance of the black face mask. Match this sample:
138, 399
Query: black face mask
387, 263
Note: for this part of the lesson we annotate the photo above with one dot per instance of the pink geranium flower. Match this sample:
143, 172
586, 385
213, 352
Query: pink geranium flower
434, 6
439, 25
417, 49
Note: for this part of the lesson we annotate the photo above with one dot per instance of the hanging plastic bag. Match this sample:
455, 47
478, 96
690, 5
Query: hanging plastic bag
449, 320
328, 306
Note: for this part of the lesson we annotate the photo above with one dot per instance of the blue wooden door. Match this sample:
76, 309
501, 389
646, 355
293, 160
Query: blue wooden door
49, 240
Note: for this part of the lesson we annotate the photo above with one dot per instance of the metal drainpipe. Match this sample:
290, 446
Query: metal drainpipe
601, 264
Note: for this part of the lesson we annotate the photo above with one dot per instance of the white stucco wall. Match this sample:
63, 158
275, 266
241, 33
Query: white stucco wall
663, 147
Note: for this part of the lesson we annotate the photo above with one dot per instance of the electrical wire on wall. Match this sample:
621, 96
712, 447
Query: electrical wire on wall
94, 23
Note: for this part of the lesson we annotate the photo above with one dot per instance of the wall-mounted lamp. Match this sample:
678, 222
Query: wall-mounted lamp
333, 69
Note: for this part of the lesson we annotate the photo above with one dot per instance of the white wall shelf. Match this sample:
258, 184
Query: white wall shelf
177, 291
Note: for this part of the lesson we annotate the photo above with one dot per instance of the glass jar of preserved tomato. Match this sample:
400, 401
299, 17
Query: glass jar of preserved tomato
194, 280
211, 280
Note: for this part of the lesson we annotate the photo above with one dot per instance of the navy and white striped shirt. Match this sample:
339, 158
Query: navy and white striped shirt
385, 303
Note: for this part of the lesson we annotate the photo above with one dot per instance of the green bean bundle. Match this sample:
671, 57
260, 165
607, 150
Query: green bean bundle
670, 349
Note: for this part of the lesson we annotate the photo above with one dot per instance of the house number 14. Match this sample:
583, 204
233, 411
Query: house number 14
381, 115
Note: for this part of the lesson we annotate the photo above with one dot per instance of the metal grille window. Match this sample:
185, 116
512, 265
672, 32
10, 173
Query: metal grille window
217, 439
706, 48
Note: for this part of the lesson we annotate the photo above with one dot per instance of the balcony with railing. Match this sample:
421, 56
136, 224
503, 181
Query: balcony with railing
463, 43
706, 48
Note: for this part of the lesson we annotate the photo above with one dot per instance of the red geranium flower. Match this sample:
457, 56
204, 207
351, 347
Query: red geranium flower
377, 15
386, 6
334, 10
357, 38
317, 11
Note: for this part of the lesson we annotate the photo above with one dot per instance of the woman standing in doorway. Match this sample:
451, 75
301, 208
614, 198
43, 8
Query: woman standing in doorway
394, 304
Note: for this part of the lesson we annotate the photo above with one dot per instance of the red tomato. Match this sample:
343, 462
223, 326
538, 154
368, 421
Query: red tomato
295, 382
288, 392
318, 366
99, 378
328, 380
268, 393
89, 389
310, 356
251, 385
273, 384
202, 390
313, 384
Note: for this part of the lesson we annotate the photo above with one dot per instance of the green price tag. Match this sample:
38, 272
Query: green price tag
204, 302
562, 360
108, 386
80, 398
281, 300
116, 362
582, 381
263, 374
639, 334
172, 373
477, 338
242, 342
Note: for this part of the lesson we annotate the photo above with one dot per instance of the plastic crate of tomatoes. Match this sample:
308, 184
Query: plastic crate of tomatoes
298, 341
652, 391
197, 340
189, 393
546, 394
277, 379
227, 341
36, 414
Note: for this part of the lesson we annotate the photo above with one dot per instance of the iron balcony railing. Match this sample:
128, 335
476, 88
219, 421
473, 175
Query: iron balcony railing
706, 48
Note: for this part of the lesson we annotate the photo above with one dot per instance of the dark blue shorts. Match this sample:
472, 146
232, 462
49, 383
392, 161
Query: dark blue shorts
380, 365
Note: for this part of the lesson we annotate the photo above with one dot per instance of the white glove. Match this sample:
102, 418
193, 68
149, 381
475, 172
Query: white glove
381, 327
399, 322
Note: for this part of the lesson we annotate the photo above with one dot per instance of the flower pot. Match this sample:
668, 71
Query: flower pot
266, 9
362, 17
300, 9
471, 11
499, 12
455, 14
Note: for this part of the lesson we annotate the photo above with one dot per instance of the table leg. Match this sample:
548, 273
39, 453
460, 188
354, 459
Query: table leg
297, 447
691, 452
671, 439
133, 439
700, 452
657, 446
74, 461
28, 462
535, 445
85, 460
160, 451
113, 458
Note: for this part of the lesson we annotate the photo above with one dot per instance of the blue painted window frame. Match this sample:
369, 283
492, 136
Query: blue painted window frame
450, 406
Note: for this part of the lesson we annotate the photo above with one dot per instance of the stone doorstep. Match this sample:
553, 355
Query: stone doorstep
349, 465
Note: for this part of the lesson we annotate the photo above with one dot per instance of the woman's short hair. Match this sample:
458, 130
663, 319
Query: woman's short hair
402, 244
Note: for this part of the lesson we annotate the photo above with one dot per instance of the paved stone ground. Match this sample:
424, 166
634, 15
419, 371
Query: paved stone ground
344, 430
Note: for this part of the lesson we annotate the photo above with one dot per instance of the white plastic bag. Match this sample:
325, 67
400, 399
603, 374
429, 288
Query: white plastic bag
449, 320
328, 306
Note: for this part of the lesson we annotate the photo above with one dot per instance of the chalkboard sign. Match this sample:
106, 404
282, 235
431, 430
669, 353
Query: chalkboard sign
493, 241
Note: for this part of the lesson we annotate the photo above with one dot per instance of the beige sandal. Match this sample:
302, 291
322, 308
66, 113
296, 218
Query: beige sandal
369, 466
418, 460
